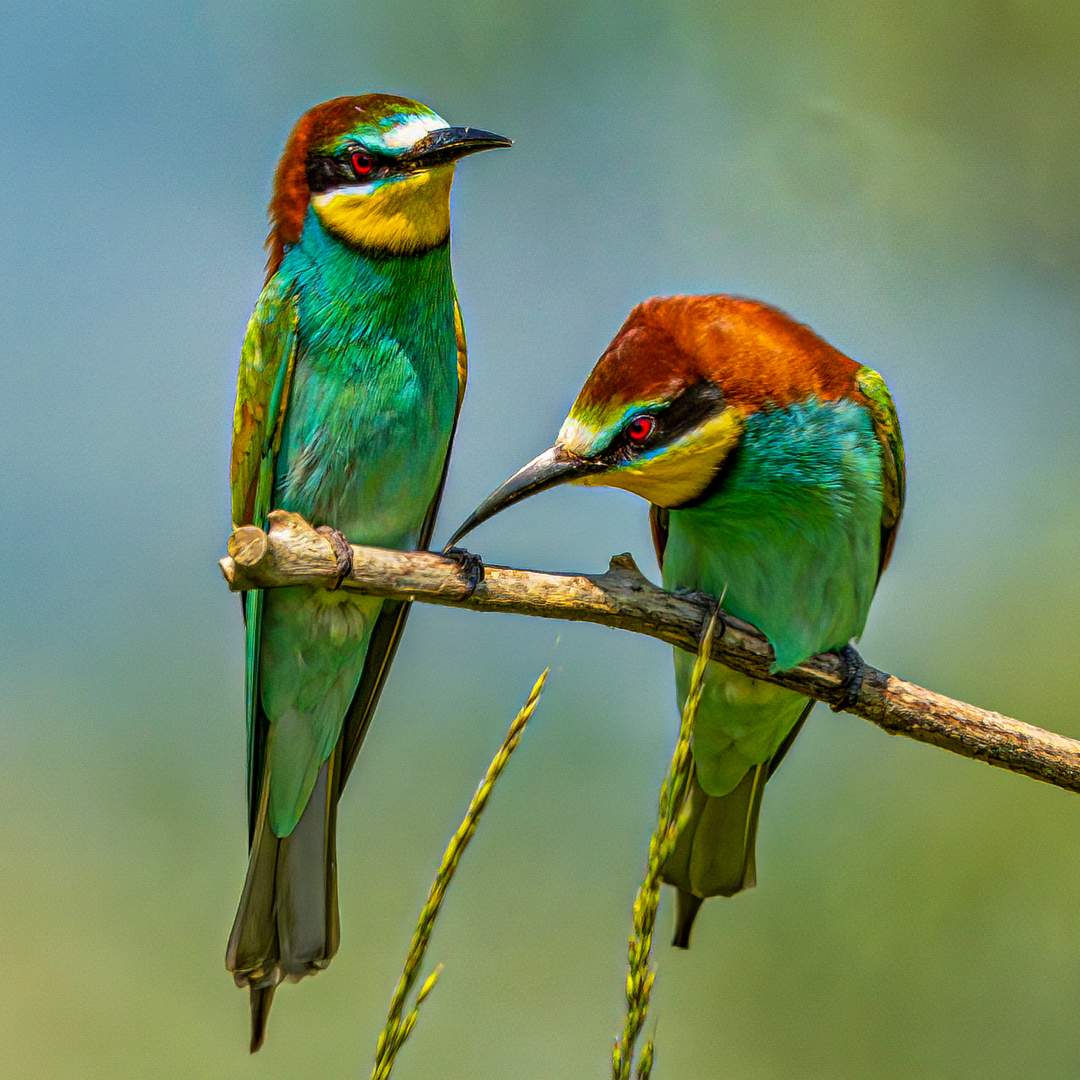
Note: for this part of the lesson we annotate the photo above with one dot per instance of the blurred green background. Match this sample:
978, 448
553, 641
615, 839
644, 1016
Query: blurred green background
903, 176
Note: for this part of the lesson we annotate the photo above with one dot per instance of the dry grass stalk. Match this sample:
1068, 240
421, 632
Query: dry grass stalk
398, 1028
671, 818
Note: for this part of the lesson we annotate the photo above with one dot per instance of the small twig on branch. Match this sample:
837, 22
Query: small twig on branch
294, 554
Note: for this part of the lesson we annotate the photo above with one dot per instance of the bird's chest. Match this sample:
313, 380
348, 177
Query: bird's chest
792, 540
369, 419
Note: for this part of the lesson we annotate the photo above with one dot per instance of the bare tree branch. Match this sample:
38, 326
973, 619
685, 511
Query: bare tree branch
294, 554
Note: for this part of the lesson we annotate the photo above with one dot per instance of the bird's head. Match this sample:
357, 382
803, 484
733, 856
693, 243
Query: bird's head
377, 171
665, 408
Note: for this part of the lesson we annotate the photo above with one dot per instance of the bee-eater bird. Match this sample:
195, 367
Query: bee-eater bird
351, 378
775, 470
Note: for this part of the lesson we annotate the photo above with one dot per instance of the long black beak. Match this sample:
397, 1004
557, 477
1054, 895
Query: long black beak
552, 467
449, 144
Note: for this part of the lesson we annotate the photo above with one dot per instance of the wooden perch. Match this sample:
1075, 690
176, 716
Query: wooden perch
293, 553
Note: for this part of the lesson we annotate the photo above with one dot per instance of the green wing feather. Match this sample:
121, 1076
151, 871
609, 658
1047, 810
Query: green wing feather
887, 429
391, 621
267, 360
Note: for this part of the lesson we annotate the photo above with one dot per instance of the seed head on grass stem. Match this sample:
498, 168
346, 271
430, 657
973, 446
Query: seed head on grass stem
671, 818
398, 1027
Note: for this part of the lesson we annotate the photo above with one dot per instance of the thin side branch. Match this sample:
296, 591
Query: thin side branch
292, 553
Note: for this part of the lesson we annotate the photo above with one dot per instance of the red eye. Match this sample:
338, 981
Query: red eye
640, 428
362, 163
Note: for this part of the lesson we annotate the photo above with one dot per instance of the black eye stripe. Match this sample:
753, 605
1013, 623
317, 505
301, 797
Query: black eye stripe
325, 171
688, 409
682, 414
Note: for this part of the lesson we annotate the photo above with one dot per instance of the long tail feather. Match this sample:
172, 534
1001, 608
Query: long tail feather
714, 855
287, 925
686, 909
261, 1000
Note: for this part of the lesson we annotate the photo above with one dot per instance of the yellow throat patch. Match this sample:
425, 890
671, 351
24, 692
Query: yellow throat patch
407, 215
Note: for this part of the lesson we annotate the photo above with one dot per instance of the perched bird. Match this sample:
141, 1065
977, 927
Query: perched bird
351, 377
775, 470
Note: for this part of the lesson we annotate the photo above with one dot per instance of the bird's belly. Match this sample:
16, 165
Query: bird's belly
740, 722
385, 501
367, 457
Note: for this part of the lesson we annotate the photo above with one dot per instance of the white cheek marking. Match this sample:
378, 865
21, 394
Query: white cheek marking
325, 198
576, 437
409, 132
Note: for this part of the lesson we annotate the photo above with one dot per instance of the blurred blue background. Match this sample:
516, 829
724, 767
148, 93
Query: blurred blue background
903, 176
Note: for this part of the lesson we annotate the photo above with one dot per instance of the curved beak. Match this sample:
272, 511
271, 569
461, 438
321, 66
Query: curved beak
449, 144
552, 467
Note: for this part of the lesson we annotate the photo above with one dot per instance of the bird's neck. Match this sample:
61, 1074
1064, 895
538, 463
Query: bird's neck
810, 457
340, 262
347, 293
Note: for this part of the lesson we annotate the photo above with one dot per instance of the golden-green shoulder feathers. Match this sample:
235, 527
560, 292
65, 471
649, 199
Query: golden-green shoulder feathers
894, 477
266, 366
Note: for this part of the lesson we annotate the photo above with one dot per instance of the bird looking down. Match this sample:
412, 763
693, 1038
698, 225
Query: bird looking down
775, 471
352, 374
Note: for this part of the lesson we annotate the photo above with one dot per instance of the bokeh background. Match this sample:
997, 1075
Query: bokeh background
903, 175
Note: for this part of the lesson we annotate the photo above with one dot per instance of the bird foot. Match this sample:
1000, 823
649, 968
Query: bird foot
470, 566
343, 552
851, 684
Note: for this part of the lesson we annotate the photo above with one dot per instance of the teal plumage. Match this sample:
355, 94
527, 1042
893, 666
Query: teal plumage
775, 471
351, 379
371, 410
791, 541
